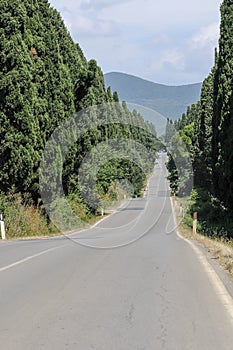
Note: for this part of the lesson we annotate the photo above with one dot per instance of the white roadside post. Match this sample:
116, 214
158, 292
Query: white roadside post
3, 233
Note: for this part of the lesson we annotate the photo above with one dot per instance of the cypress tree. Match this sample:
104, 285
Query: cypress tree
45, 79
223, 110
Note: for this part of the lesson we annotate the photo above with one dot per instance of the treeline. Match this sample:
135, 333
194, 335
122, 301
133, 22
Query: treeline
207, 131
44, 80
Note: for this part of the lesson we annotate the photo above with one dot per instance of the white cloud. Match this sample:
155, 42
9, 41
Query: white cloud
82, 23
99, 4
157, 14
86, 5
207, 36
167, 67
174, 58
98, 28
167, 41
161, 39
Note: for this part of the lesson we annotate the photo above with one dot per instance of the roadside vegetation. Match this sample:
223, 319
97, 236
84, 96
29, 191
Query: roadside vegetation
216, 243
44, 80
25, 220
206, 131
214, 220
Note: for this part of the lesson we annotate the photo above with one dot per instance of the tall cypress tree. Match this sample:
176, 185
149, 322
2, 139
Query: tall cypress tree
203, 147
223, 110
45, 79
19, 128
39, 67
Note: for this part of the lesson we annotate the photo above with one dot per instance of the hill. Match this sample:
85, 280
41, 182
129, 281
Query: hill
170, 101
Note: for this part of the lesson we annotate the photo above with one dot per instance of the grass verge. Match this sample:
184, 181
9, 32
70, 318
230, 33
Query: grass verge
23, 220
220, 248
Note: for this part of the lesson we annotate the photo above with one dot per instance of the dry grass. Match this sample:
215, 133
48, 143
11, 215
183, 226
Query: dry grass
26, 221
220, 249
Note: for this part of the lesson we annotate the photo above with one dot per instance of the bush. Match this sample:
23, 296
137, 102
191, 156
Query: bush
213, 218
23, 220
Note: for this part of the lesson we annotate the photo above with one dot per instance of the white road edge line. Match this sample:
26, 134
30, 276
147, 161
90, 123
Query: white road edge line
216, 282
115, 211
29, 258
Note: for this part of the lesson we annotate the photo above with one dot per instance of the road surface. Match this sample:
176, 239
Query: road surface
129, 283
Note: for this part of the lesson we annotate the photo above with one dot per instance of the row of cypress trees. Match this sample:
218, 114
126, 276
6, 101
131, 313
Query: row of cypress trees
212, 123
44, 80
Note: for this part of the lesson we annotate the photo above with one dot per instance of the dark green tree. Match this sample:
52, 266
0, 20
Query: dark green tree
222, 142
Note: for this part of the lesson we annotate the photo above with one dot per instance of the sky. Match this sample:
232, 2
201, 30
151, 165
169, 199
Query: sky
164, 41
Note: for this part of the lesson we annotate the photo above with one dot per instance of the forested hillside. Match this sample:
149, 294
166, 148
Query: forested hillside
44, 80
207, 130
170, 101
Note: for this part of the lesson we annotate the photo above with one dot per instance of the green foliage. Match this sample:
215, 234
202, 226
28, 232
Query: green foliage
179, 163
223, 110
173, 176
22, 218
36, 90
203, 147
44, 80
213, 218
210, 139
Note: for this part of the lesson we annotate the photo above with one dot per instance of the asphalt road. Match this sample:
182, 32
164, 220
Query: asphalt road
129, 283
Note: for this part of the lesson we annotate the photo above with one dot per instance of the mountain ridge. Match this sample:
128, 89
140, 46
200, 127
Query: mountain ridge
169, 100
149, 81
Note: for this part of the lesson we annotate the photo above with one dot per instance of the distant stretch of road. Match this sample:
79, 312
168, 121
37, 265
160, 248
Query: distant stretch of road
129, 283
